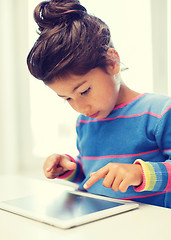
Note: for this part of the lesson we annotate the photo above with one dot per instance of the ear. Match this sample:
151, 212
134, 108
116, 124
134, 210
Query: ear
114, 59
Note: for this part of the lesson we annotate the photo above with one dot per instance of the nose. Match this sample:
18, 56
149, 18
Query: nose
82, 107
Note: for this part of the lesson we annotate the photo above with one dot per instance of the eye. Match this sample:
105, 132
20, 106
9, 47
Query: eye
86, 91
68, 99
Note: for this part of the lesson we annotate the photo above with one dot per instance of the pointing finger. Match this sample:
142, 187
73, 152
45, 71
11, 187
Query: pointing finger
96, 177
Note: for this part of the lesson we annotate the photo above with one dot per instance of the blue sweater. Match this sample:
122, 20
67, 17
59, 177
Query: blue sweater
138, 131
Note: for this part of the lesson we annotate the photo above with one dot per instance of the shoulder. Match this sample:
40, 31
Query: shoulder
155, 97
152, 104
156, 103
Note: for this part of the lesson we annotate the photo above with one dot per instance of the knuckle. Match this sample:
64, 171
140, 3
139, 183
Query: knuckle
106, 184
51, 157
95, 177
110, 165
44, 167
49, 176
54, 157
115, 188
122, 172
122, 190
113, 166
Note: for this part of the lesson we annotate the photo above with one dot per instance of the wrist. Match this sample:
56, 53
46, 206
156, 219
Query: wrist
142, 185
139, 172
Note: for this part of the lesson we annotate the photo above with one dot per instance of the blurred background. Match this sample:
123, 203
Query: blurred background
34, 123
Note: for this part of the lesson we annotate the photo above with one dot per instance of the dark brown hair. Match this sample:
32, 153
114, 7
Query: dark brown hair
70, 41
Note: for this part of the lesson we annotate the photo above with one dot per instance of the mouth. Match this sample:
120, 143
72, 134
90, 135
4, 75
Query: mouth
94, 115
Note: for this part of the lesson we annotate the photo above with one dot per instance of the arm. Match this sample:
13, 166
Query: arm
64, 167
157, 175
76, 176
143, 176
150, 176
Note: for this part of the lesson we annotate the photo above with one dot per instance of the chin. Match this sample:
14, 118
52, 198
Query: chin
102, 116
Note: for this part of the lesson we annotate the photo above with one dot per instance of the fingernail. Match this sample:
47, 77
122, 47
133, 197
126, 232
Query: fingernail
85, 186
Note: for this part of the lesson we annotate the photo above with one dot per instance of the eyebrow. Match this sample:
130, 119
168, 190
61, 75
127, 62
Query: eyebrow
79, 85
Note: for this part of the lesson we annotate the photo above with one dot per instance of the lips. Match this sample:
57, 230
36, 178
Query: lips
94, 115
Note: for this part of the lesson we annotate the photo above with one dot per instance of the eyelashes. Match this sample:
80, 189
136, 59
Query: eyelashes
82, 94
86, 91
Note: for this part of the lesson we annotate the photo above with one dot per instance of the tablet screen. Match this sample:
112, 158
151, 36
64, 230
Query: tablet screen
64, 207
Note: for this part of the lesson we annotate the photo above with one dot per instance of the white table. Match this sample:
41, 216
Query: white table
147, 222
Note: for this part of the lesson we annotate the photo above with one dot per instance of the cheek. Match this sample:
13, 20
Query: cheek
72, 105
110, 101
103, 101
109, 97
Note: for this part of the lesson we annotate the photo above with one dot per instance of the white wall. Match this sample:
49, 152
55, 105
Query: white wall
14, 87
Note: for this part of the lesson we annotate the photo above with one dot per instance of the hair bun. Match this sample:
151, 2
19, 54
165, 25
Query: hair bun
58, 12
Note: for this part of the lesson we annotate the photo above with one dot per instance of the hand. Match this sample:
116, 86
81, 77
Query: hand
117, 176
56, 165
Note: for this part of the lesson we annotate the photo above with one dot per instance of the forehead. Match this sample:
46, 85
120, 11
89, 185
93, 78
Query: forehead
68, 83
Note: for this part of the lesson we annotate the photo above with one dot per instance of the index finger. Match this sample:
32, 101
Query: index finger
96, 177
52, 162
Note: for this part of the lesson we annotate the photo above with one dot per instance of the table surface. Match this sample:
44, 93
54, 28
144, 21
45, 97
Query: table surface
146, 222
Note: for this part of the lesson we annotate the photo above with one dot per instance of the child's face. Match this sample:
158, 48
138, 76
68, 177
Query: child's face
94, 94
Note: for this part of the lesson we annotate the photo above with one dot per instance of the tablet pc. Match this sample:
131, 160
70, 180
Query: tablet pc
66, 209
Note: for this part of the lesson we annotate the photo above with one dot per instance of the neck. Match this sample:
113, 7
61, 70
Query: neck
125, 93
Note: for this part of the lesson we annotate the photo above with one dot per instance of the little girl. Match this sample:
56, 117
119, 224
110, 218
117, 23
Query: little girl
123, 137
